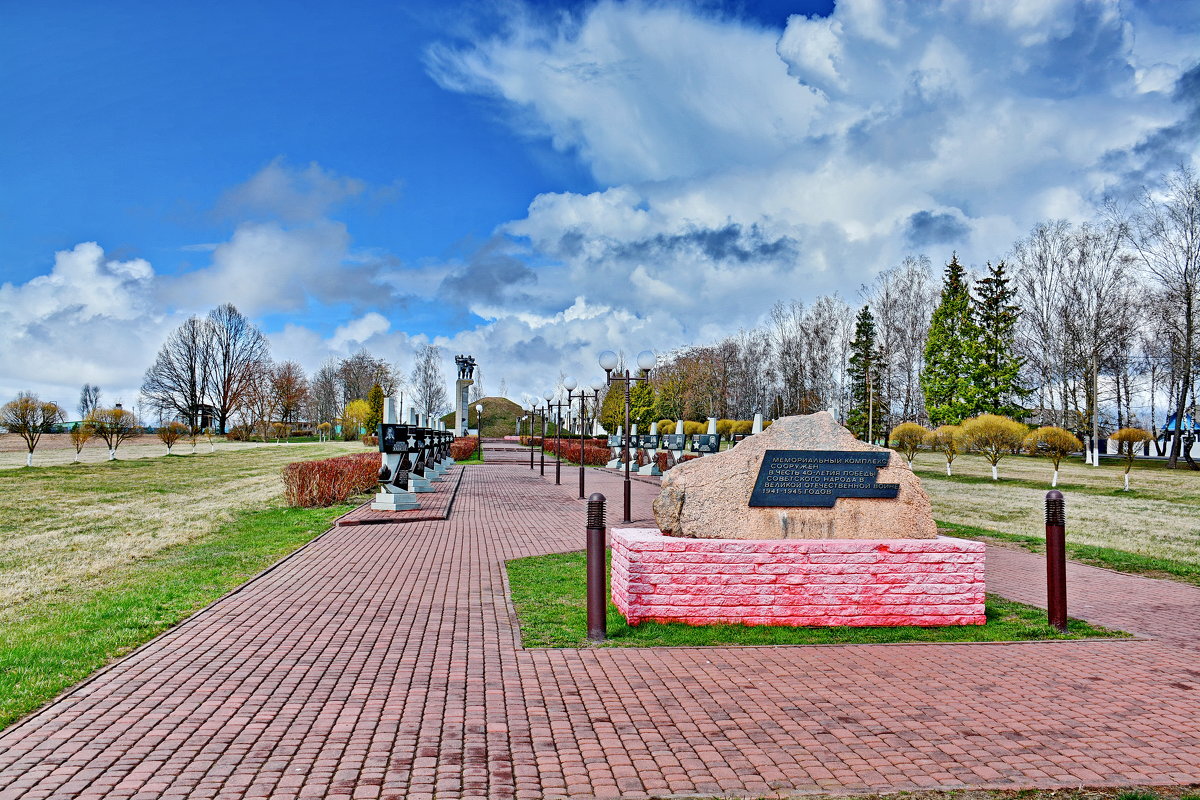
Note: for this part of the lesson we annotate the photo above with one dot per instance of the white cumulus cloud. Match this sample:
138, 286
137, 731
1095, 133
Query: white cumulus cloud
741, 165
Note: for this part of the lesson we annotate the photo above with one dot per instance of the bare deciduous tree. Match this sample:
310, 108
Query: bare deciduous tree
902, 299
291, 390
176, 385
260, 405
1163, 232
81, 434
361, 371
428, 382
237, 348
89, 398
114, 425
28, 417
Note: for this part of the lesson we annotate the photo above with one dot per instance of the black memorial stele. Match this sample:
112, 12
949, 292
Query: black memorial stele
816, 478
674, 441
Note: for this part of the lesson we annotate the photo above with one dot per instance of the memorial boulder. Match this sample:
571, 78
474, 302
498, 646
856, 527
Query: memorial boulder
805, 477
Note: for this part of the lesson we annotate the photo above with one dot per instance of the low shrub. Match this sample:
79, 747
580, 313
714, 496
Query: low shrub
691, 428
303, 432
666, 426
316, 484
463, 447
594, 455
239, 433
531, 441
370, 441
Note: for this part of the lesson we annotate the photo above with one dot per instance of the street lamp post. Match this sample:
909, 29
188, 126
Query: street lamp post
582, 396
645, 362
532, 417
479, 429
548, 396
558, 407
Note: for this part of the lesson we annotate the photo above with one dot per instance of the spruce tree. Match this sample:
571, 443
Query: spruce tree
998, 368
863, 371
612, 408
641, 405
375, 401
950, 352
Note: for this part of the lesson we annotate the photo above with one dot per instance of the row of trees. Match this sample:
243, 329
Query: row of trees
215, 371
221, 365
1081, 325
29, 417
994, 436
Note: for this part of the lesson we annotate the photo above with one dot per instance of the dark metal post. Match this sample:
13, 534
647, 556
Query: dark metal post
1056, 560
558, 444
597, 570
543, 447
531, 418
628, 455
478, 432
582, 425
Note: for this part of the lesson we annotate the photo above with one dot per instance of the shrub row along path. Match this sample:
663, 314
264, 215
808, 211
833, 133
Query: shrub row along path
385, 661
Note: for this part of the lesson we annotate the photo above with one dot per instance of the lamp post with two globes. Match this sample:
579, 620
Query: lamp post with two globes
532, 417
582, 396
479, 430
558, 407
548, 396
646, 362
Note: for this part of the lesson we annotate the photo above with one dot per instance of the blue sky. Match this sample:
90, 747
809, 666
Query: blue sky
537, 182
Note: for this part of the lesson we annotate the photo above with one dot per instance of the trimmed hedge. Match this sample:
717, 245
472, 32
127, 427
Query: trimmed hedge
317, 484
463, 447
593, 454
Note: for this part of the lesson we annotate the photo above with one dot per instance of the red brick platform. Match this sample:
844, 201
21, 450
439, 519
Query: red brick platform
384, 661
435, 505
803, 582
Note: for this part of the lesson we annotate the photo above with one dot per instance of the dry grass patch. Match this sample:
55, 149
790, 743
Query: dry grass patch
64, 524
55, 449
1161, 519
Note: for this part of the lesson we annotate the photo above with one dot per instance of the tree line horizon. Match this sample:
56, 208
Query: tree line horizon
1072, 325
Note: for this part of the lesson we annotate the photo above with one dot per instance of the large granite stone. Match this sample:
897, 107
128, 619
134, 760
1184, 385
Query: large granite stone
708, 498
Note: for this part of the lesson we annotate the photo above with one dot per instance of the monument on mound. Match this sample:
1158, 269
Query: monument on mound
801, 524
802, 478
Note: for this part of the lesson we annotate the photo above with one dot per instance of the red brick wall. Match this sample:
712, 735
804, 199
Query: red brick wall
797, 581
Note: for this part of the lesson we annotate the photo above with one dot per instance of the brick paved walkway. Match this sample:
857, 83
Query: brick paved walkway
383, 661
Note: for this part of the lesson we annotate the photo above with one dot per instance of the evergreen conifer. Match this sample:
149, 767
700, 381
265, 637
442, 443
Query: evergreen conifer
950, 352
863, 371
612, 408
375, 402
642, 407
997, 368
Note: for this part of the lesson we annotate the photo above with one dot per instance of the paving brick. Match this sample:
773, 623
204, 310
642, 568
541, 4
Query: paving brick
384, 661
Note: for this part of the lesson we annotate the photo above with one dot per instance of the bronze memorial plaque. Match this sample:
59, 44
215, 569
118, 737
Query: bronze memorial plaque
816, 478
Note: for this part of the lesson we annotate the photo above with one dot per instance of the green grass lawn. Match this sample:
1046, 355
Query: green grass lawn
62, 637
97, 558
1191, 792
477, 457
1107, 557
549, 593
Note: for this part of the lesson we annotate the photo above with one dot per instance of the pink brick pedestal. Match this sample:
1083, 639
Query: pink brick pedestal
819, 582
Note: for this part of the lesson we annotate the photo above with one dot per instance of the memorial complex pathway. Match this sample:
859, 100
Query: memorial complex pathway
385, 661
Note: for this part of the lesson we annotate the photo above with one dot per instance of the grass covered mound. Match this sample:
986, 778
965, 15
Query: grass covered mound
550, 594
500, 417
